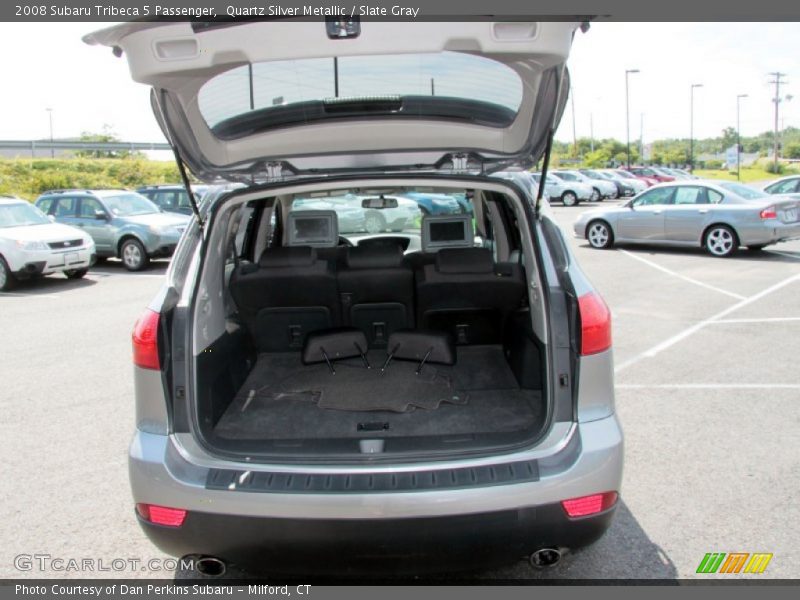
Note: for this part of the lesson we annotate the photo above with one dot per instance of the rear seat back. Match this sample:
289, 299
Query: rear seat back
290, 292
376, 291
466, 294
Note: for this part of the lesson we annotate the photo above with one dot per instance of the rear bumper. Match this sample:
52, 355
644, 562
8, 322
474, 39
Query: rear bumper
770, 232
507, 520
331, 547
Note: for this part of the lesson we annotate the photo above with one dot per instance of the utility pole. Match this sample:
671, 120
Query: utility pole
778, 81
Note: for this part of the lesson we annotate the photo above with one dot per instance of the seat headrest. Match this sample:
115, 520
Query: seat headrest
447, 231
464, 260
374, 257
317, 228
288, 256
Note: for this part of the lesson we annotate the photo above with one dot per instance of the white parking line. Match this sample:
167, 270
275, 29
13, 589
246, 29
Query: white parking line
709, 386
658, 348
764, 320
683, 277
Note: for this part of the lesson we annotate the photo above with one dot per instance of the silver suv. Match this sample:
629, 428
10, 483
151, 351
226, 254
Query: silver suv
123, 224
439, 396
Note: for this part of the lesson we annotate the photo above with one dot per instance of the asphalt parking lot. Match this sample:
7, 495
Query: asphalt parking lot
707, 391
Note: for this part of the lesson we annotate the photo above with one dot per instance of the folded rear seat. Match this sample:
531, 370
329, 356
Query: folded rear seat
466, 294
376, 291
291, 292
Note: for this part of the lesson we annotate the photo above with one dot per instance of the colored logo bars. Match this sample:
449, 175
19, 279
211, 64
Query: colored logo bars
735, 562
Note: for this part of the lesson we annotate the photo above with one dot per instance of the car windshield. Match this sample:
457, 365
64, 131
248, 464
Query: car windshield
278, 93
130, 205
744, 191
593, 174
21, 215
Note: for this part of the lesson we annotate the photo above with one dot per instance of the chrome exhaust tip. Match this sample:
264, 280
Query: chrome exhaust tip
545, 558
210, 566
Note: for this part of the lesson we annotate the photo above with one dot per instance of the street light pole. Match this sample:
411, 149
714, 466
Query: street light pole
691, 126
628, 119
738, 138
50, 115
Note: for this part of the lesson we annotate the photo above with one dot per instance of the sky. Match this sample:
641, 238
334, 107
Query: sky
46, 65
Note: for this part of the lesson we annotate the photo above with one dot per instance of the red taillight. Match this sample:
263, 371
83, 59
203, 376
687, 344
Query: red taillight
145, 341
595, 324
769, 213
589, 505
161, 515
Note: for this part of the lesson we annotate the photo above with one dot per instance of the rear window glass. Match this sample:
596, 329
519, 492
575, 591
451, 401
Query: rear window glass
448, 84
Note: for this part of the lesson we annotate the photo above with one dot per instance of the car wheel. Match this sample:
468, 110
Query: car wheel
134, 257
599, 235
76, 273
757, 248
374, 223
721, 241
7, 280
569, 199
596, 195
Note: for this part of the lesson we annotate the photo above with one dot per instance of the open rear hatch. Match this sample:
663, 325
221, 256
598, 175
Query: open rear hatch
257, 100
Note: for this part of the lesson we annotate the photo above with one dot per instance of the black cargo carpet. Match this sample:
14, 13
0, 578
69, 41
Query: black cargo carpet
282, 398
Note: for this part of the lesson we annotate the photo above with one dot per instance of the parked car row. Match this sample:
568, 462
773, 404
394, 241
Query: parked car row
87, 226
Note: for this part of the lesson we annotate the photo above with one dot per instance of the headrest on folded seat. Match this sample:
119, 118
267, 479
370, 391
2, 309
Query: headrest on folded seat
464, 261
374, 257
288, 256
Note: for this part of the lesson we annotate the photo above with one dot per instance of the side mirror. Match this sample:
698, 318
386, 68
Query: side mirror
100, 215
630, 205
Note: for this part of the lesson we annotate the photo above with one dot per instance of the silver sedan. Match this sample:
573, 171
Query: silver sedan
719, 216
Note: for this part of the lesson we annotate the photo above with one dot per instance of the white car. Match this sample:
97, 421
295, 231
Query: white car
33, 246
603, 188
570, 193
574, 187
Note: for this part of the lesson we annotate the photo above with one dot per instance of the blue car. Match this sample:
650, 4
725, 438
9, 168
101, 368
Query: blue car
441, 204
122, 224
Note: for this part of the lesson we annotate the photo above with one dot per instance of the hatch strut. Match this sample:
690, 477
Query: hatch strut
187, 185
545, 165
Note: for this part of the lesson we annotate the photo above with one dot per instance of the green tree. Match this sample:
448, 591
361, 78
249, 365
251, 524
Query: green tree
107, 135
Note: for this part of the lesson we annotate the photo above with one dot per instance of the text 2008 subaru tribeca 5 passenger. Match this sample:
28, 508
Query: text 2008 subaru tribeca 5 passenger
307, 400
